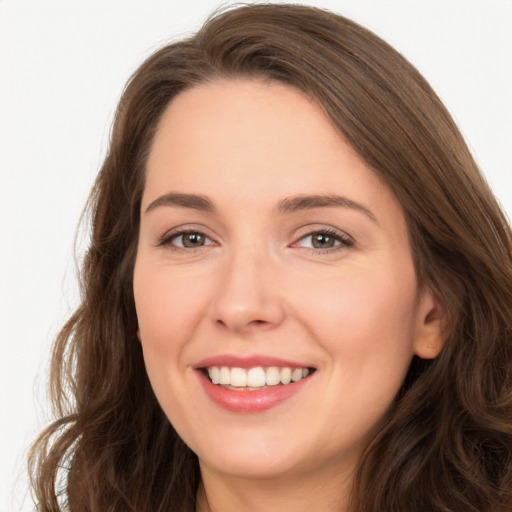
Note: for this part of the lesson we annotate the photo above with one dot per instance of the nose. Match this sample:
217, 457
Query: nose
248, 295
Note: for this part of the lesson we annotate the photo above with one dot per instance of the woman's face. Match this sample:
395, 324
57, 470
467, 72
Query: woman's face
269, 251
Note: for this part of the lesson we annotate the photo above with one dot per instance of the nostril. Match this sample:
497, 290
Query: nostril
222, 323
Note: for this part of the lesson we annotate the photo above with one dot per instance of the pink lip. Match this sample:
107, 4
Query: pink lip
247, 362
249, 401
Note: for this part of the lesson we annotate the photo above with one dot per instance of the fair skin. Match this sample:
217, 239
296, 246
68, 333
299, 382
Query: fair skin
234, 264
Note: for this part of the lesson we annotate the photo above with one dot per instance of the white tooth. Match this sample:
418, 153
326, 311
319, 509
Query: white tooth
238, 377
224, 376
273, 377
256, 377
305, 372
213, 372
296, 374
286, 375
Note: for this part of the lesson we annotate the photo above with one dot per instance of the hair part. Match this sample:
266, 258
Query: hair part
447, 442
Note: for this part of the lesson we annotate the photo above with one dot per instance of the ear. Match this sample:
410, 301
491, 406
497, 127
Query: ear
138, 335
431, 332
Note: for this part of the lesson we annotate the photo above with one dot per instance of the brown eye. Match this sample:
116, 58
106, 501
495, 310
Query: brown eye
192, 239
325, 240
189, 240
322, 241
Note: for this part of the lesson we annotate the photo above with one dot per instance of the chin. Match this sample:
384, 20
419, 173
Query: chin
243, 454
253, 465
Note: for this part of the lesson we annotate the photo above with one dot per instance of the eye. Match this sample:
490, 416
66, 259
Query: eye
325, 240
186, 240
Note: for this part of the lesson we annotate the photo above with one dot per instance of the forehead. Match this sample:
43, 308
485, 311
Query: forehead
257, 115
250, 140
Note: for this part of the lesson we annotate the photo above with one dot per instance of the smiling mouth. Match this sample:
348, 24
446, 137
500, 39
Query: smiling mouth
256, 378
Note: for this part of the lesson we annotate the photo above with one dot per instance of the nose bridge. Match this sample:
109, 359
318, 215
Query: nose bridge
247, 294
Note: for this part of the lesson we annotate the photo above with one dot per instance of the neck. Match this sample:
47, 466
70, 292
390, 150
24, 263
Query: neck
300, 493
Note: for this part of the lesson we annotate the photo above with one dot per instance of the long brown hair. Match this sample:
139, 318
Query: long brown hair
447, 443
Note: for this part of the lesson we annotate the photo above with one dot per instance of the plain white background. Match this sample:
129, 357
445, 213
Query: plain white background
63, 65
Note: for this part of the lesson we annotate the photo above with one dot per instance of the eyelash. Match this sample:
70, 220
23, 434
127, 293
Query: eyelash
342, 241
167, 239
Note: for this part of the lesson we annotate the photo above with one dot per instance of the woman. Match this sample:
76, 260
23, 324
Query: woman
297, 292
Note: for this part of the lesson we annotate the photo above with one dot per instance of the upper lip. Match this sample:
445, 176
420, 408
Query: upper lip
236, 361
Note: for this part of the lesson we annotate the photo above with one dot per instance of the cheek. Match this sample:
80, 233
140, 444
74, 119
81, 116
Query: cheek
168, 305
366, 325
365, 318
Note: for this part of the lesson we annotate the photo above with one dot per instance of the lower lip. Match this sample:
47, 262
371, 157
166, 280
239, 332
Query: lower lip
250, 401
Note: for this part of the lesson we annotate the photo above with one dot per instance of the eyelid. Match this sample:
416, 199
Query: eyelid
344, 239
166, 239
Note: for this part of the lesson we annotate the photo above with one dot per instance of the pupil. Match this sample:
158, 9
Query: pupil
193, 239
322, 240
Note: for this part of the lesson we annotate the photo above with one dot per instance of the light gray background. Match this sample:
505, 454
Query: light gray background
63, 65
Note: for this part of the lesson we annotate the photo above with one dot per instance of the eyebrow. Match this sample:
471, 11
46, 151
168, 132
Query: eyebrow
306, 202
288, 205
194, 201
